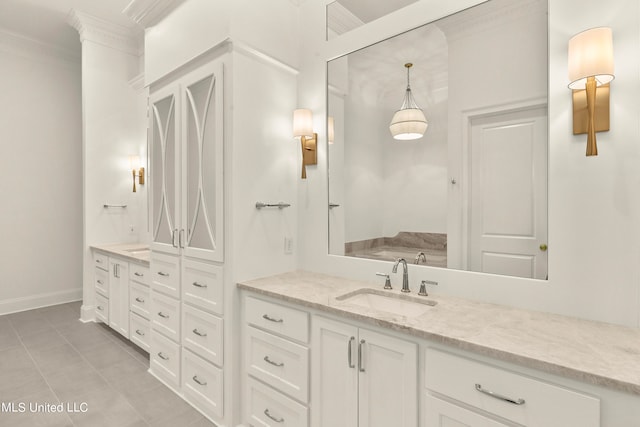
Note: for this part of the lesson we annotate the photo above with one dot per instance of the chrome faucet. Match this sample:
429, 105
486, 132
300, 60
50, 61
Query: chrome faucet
420, 256
405, 274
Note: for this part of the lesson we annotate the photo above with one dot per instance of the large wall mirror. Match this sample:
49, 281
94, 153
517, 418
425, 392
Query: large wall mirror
471, 193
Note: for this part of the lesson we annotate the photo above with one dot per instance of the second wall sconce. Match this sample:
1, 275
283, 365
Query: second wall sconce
303, 128
590, 71
136, 171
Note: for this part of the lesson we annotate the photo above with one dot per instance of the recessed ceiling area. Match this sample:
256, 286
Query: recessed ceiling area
46, 20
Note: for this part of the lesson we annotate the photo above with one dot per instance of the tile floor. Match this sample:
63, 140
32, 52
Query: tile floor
47, 356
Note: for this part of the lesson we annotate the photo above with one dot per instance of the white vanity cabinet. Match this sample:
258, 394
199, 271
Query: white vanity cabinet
455, 383
362, 377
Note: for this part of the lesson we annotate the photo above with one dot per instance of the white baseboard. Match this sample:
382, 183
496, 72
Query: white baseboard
15, 305
87, 313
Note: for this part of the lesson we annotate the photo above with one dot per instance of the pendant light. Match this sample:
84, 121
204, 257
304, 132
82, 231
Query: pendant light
408, 122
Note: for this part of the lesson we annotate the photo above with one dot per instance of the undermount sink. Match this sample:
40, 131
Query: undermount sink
138, 250
395, 303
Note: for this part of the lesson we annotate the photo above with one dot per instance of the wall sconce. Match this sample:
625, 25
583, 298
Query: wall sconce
408, 122
303, 128
591, 66
136, 170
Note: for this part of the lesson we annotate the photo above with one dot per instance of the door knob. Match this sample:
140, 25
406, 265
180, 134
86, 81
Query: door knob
543, 247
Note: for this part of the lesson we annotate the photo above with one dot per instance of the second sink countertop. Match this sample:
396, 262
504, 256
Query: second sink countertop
592, 352
138, 252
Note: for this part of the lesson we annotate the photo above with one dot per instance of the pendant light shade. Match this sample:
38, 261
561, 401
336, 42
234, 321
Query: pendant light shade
409, 121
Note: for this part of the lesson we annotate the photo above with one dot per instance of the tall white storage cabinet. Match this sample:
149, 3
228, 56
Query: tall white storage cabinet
186, 141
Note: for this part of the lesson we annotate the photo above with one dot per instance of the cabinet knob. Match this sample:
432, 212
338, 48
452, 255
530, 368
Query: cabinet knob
543, 247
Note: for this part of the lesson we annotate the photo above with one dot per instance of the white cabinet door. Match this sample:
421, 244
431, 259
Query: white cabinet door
388, 388
165, 173
119, 296
335, 374
201, 234
439, 413
187, 165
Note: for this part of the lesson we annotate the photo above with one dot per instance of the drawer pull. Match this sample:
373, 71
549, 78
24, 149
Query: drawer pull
139, 299
350, 345
139, 332
100, 282
198, 333
164, 316
278, 420
99, 261
138, 274
199, 285
162, 356
163, 274
271, 319
271, 362
100, 308
499, 396
195, 379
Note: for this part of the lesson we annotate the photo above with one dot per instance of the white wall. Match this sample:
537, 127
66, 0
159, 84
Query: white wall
114, 127
40, 176
593, 205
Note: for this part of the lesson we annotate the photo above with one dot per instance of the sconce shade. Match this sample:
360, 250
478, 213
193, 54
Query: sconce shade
302, 122
409, 121
330, 130
134, 162
591, 55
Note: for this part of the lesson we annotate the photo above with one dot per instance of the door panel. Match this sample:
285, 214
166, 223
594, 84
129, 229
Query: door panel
388, 381
335, 385
508, 193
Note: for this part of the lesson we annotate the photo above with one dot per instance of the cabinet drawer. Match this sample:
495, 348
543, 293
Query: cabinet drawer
202, 285
442, 413
532, 402
140, 299
282, 320
202, 384
140, 331
139, 273
102, 308
278, 362
266, 407
202, 333
101, 278
101, 261
165, 315
164, 359
165, 274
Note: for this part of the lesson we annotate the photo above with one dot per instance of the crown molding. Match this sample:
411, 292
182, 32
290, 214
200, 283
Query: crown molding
469, 22
148, 13
91, 28
18, 44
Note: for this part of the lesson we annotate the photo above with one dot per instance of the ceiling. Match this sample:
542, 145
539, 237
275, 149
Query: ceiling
46, 20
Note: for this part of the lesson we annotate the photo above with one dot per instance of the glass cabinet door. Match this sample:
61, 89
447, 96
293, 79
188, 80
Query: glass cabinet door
203, 163
164, 171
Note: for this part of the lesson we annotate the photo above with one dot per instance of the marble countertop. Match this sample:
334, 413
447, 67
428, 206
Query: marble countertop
592, 352
137, 252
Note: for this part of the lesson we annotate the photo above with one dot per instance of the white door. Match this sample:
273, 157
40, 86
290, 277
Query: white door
164, 169
388, 388
508, 194
439, 413
335, 374
201, 234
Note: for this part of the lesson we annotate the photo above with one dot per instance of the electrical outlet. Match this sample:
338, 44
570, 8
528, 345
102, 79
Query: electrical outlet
288, 245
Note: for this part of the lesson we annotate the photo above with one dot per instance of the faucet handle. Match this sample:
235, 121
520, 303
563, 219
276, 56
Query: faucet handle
387, 282
423, 287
